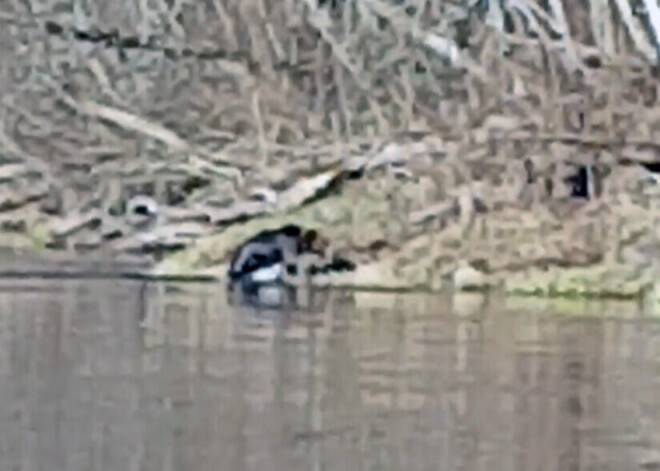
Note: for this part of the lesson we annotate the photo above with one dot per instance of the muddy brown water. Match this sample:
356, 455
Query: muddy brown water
130, 376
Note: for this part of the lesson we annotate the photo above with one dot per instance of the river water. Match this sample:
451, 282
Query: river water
131, 376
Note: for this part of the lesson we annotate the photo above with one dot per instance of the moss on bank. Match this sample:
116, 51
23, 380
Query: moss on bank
361, 214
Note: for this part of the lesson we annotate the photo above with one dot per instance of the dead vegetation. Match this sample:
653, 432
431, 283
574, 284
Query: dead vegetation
229, 110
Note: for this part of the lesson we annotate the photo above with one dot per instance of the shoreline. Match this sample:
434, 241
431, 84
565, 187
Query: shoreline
49, 266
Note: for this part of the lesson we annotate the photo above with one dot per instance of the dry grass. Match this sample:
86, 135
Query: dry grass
254, 93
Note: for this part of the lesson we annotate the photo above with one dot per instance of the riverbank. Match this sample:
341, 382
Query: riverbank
416, 214
484, 161
404, 237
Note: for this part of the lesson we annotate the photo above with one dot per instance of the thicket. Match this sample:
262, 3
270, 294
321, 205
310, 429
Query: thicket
102, 93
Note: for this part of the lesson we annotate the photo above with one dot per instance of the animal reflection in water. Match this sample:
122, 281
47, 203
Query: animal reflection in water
273, 268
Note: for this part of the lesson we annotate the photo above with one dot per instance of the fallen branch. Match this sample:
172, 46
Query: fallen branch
170, 138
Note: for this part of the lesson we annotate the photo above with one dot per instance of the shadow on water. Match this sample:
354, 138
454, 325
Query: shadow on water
121, 375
